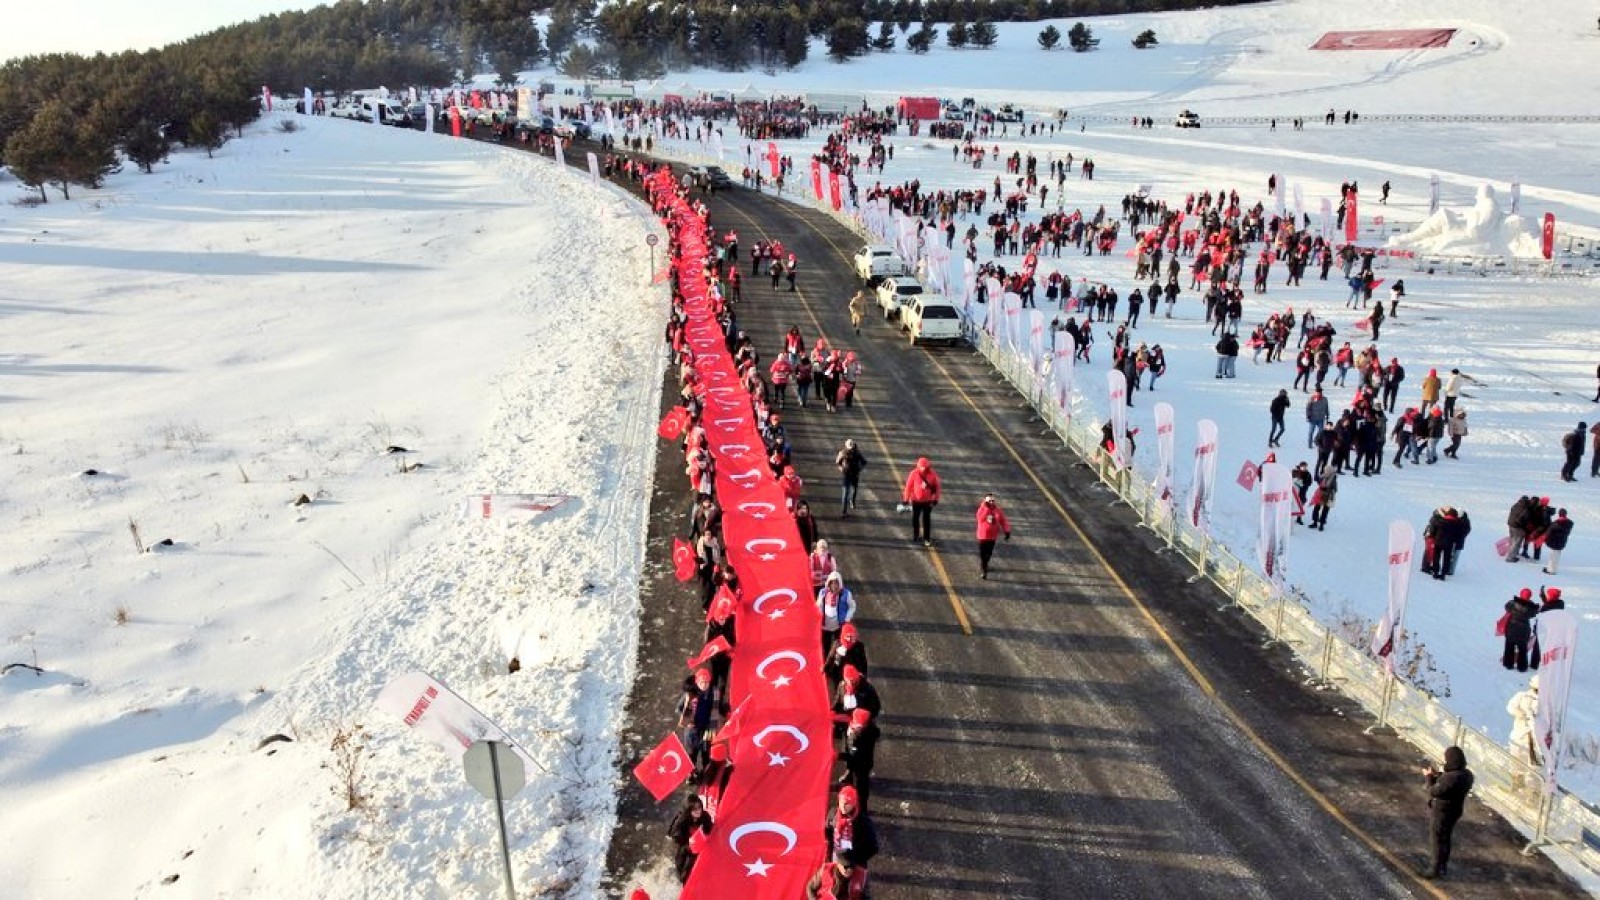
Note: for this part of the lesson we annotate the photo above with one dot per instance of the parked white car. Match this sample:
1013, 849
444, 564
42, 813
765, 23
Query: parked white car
345, 109
1187, 119
930, 317
895, 292
875, 261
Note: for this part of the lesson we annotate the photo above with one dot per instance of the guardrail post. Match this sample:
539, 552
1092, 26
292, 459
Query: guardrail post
1383, 707
1203, 558
1238, 587
1541, 835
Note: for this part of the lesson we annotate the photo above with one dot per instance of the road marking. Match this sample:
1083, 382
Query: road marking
1166, 638
877, 437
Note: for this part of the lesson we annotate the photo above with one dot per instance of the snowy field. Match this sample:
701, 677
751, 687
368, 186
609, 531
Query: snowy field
228, 334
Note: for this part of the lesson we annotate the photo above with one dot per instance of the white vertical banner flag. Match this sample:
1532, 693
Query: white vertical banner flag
309, 101
1558, 643
1516, 196
1164, 436
1205, 475
1386, 637
1061, 372
561, 155
1299, 202
1011, 322
1327, 219
266, 98
588, 114
1277, 509
411, 94
594, 168
440, 716
429, 113
525, 104
1278, 195
1036, 348
1433, 193
716, 143
969, 280
611, 122
1117, 394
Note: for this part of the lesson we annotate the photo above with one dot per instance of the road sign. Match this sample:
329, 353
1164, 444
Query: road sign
651, 239
497, 773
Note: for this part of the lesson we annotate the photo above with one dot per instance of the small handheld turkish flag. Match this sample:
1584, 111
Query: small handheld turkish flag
664, 768
1247, 476
717, 645
672, 425
683, 561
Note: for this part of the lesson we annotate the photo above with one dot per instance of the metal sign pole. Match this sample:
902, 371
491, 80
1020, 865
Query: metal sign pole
500, 817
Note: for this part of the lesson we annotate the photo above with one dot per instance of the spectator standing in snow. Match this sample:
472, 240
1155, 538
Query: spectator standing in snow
1457, 429
1520, 611
1447, 799
1322, 500
1524, 708
991, 525
1316, 417
1452, 389
1594, 460
1572, 444
1227, 354
1430, 388
1555, 540
1517, 526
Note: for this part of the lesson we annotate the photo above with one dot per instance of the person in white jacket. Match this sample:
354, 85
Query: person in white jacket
837, 606
1452, 389
1524, 709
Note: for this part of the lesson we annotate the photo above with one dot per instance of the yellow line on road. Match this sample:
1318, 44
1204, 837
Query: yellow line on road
877, 437
1199, 677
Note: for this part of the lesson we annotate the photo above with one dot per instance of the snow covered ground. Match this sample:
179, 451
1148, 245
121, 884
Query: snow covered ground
228, 334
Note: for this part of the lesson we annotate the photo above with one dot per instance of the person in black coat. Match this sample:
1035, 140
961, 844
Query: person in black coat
1447, 799
848, 651
688, 820
1555, 539
855, 692
1519, 630
860, 746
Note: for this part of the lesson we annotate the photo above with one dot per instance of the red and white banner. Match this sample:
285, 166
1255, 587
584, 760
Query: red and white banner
1395, 39
436, 713
1277, 511
1558, 643
768, 841
1205, 474
833, 189
1402, 546
1061, 372
1117, 393
1547, 236
1352, 221
594, 167
1164, 435
266, 98
816, 178
664, 768
772, 157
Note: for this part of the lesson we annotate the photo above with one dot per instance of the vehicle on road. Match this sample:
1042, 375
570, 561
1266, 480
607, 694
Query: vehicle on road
711, 175
930, 317
384, 111
345, 109
1008, 113
1187, 119
895, 292
875, 262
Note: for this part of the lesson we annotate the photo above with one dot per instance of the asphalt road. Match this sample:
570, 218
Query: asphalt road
1083, 723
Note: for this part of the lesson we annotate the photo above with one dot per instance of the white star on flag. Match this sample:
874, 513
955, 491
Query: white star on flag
781, 681
768, 557
775, 614
758, 515
776, 759
759, 867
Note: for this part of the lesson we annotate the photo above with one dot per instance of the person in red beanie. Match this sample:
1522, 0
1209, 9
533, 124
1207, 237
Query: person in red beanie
848, 651
992, 525
922, 491
688, 830
851, 836
854, 692
860, 746
1518, 620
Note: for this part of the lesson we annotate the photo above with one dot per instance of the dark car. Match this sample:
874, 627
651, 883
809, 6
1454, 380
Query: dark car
718, 178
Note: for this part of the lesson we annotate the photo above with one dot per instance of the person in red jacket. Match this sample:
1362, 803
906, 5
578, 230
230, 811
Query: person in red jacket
991, 525
922, 492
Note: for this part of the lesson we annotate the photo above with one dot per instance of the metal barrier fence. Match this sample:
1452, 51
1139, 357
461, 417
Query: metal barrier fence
1512, 786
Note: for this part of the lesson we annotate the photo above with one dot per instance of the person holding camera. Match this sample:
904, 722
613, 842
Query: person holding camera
1447, 799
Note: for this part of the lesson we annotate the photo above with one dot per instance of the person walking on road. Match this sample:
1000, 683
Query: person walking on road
922, 493
992, 525
850, 462
1447, 799
858, 305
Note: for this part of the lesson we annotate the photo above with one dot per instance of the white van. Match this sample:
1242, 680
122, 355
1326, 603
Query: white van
385, 112
930, 317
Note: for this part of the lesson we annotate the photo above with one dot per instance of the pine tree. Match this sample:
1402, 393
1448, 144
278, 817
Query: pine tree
885, 40
984, 34
1146, 38
205, 130
846, 38
580, 62
920, 40
1050, 37
795, 46
1081, 38
956, 37
146, 145
36, 153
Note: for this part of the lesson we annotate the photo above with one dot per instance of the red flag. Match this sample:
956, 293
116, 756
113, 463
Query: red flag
683, 561
1547, 237
833, 189
733, 726
717, 645
816, 178
664, 768
1352, 225
772, 157
673, 423
1247, 476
